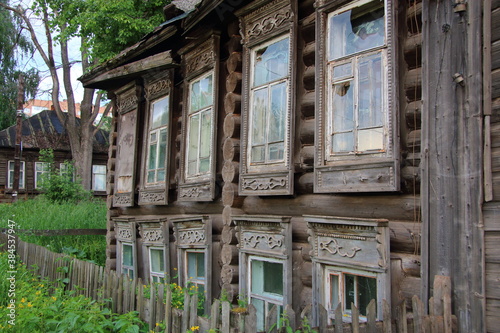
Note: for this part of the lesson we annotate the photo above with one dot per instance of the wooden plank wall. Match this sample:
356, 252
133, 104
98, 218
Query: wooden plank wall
491, 210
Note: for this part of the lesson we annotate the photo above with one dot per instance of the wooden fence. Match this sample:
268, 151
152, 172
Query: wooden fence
123, 295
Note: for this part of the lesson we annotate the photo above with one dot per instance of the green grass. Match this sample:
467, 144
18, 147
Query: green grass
41, 214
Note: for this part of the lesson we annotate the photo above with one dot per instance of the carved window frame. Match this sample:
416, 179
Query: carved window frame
125, 231
157, 87
348, 245
22, 172
129, 98
199, 60
262, 237
155, 235
194, 234
370, 171
261, 22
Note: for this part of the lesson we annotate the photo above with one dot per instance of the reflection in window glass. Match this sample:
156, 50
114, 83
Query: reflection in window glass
11, 174
99, 177
157, 149
269, 102
128, 260
157, 265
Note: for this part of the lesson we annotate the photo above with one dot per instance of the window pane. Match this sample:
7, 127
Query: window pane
152, 157
151, 176
334, 291
206, 125
273, 277
99, 182
162, 153
271, 62
156, 260
201, 94
343, 107
371, 139
370, 91
257, 273
195, 96
195, 265
128, 259
258, 154
342, 71
260, 102
343, 142
276, 151
194, 124
160, 113
260, 307
367, 290
356, 30
349, 291
277, 114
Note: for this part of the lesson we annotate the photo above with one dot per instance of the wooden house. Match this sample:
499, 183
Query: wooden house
44, 131
299, 152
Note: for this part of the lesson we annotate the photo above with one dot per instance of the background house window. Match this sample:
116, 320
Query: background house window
349, 287
266, 287
99, 177
356, 86
199, 130
195, 270
128, 260
156, 264
10, 174
269, 102
41, 169
157, 142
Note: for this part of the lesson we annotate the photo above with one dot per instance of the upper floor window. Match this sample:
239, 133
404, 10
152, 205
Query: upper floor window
200, 61
199, 126
269, 102
10, 174
356, 106
268, 97
156, 171
99, 177
41, 169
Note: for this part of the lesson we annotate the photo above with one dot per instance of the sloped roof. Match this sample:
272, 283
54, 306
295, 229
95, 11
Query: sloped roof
45, 131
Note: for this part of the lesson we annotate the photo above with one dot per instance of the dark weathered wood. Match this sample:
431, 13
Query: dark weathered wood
371, 315
233, 82
233, 63
232, 123
230, 195
339, 319
226, 308
307, 128
230, 171
229, 254
231, 149
309, 53
232, 103
307, 105
251, 322
229, 274
309, 77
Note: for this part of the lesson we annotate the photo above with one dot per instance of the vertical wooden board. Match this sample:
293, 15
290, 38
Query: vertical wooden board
290, 314
152, 306
168, 310
193, 310
442, 287
251, 320
371, 315
214, 314
272, 319
339, 322
323, 319
493, 315
226, 316
185, 312
119, 301
386, 310
355, 318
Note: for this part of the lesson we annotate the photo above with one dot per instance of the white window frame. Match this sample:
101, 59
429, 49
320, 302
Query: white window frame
10, 174
98, 174
263, 166
127, 269
200, 112
341, 272
156, 276
267, 298
38, 173
157, 131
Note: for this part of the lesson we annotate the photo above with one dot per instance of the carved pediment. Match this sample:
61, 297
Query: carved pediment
192, 231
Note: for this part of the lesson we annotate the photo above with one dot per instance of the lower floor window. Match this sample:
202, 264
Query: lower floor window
10, 174
156, 264
195, 270
349, 288
266, 287
128, 260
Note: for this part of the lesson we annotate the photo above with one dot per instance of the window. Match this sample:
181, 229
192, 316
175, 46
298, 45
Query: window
350, 264
268, 98
194, 244
266, 287
199, 119
42, 170
269, 94
156, 264
349, 287
127, 260
99, 177
356, 109
195, 270
10, 182
265, 257
66, 169
154, 185
156, 171
199, 130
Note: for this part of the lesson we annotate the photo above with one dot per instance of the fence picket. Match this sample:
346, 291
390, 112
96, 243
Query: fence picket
371, 314
226, 317
251, 319
214, 315
193, 310
339, 326
386, 312
168, 310
271, 319
355, 318
185, 313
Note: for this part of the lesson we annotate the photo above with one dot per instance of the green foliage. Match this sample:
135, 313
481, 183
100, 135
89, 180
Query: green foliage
41, 306
84, 214
58, 185
284, 325
13, 44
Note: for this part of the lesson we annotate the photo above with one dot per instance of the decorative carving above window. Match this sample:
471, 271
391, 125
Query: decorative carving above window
127, 103
152, 198
122, 200
250, 183
359, 242
192, 231
158, 88
153, 232
264, 234
125, 229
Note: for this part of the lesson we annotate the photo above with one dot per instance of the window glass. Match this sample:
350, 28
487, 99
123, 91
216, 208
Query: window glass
157, 263
157, 149
160, 113
41, 168
271, 62
128, 258
196, 265
358, 29
99, 177
201, 94
11, 174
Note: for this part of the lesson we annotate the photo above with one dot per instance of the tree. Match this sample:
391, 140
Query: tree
12, 44
104, 28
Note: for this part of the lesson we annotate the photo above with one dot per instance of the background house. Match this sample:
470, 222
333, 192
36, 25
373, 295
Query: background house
311, 152
44, 131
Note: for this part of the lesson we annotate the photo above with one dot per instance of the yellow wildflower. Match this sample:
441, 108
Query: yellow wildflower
54, 298
38, 293
195, 328
23, 300
29, 305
